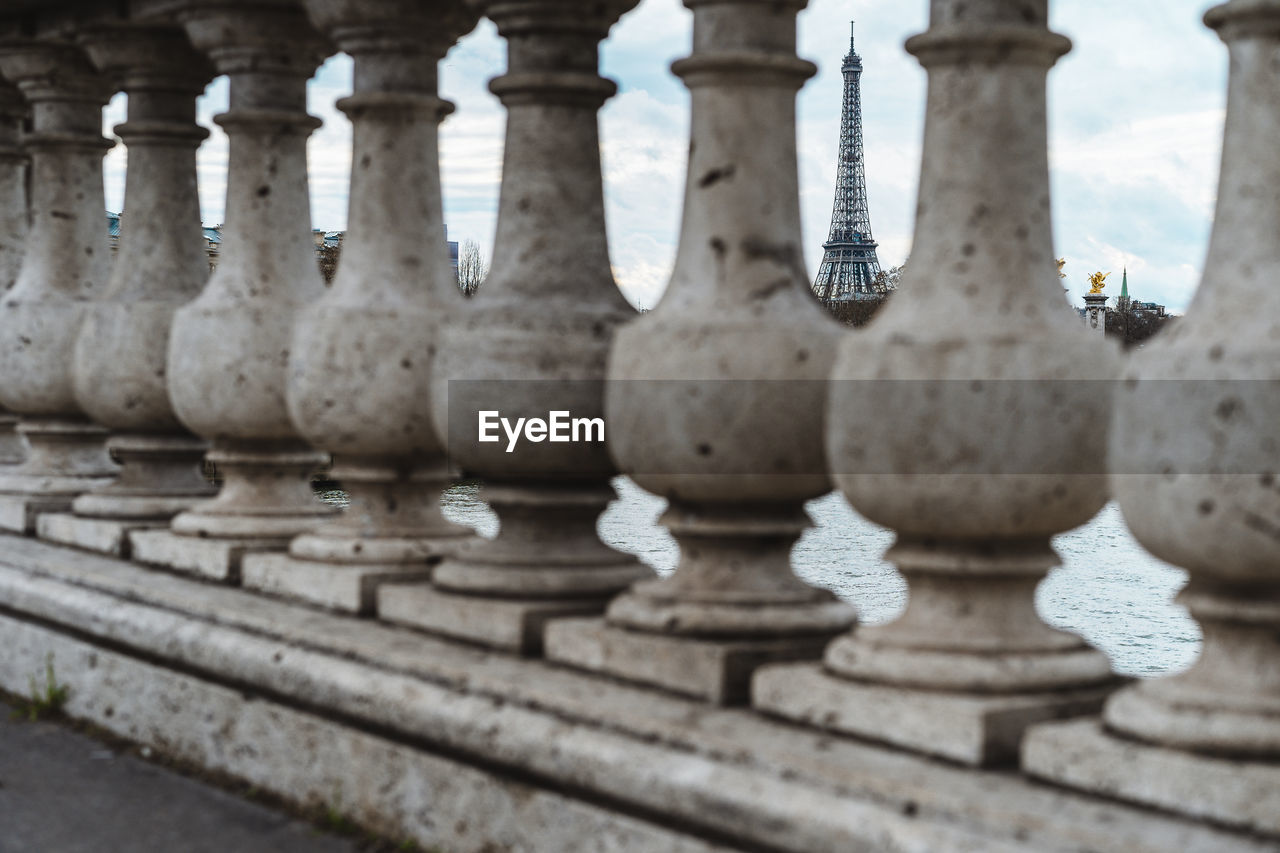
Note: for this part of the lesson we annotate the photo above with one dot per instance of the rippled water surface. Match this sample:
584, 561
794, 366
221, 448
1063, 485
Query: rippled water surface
1108, 589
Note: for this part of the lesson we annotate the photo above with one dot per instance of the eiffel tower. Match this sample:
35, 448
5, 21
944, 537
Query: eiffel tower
849, 266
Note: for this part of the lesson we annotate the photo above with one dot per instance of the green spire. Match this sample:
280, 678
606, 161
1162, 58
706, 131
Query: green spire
1124, 285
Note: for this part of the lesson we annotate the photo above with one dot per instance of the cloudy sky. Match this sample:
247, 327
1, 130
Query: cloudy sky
1136, 115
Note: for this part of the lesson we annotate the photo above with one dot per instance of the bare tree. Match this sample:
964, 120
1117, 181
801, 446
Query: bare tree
472, 270
886, 281
1134, 325
328, 258
858, 312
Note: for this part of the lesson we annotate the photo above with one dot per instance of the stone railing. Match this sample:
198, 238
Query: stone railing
395, 657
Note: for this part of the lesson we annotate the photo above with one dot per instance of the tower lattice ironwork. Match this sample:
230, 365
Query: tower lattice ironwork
850, 267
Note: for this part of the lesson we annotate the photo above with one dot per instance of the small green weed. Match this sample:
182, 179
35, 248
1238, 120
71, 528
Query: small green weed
46, 701
333, 820
330, 816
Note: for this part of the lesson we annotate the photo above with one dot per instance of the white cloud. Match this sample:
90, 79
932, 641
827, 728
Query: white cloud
644, 142
1174, 153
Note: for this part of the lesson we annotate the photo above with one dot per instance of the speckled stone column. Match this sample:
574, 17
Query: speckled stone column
360, 366
1196, 469
121, 353
229, 349
971, 419
716, 397
533, 340
13, 234
65, 266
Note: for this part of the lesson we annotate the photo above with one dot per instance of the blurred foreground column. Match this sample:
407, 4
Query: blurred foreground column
65, 266
360, 366
13, 235
533, 341
121, 352
715, 397
229, 349
971, 418
1196, 468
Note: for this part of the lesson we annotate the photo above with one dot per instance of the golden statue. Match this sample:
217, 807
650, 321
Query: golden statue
1061, 262
1098, 280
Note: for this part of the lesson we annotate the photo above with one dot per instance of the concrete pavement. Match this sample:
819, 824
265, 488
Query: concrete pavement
64, 792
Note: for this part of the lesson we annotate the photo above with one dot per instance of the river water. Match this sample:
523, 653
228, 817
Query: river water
1108, 589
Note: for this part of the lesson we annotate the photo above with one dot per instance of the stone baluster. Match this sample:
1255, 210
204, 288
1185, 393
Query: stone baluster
1196, 470
716, 397
13, 234
964, 418
359, 383
120, 360
229, 349
64, 267
534, 340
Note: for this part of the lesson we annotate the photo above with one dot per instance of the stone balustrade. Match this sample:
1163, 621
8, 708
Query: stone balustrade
540, 690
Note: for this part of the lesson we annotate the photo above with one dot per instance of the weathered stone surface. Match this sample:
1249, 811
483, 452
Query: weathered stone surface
121, 352
14, 222
360, 364
964, 417
104, 535
513, 625
349, 587
972, 729
392, 788
19, 514
216, 559
535, 338
1194, 445
64, 267
717, 392
717, 671
229, 348
737, 774
1083, 755
13, 447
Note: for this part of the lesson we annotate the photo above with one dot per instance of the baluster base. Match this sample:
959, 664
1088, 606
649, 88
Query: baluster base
717, 671
65, 458
732, 605
266, 499
510, 625
344, 587
212, 559
266, 493
546, 548
964, 671
1204, 742
1083, 755
970, 728
161, 476
392, 517
1228, 702
546, 562
392, 529
100, 535
734, 580
13, 449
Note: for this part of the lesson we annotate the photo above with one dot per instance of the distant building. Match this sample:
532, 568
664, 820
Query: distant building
453, 252
113, 229
328, 239
1134, 305
213, 241
212, 244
